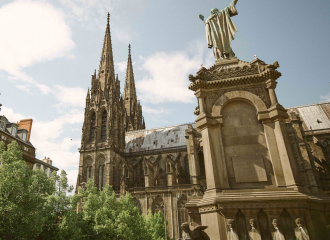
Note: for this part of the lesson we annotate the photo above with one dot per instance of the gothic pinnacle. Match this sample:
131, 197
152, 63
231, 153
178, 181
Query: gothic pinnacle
108, 19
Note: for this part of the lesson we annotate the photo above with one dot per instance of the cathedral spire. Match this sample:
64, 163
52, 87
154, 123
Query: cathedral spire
129, 89
106, 69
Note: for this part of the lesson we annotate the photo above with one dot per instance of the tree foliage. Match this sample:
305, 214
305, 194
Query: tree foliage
23, 193
32, 205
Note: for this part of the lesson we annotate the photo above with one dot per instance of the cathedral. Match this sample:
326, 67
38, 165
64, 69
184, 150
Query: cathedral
247, 168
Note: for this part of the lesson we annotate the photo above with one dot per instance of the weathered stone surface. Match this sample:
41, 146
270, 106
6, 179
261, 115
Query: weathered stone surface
249, 169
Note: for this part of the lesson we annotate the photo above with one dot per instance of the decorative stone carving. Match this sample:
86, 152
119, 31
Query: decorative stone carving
231, 232
259, 91
276, 233
196, 233
301, 231
254, 233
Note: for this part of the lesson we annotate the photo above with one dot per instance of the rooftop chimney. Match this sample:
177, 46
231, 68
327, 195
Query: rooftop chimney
26, 124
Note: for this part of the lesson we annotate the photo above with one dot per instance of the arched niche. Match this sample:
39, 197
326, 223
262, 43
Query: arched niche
238, 95
244, 144
158, 205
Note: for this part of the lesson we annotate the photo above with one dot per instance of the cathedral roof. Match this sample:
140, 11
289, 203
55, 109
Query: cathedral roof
156, 138
314, 116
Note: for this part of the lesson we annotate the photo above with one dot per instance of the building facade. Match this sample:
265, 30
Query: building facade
20, 132
247, 168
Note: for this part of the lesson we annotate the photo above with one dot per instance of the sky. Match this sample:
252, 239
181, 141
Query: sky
49, 50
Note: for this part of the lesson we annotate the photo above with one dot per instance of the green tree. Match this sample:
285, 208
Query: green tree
61, 218
156, 225
107, 218
23, 193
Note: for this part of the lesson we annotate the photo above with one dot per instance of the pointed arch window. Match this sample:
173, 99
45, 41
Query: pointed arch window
89, 170
158, 205
102, 174
93, 119
182, 211
201, 162
161, 177
104, 126
186, 163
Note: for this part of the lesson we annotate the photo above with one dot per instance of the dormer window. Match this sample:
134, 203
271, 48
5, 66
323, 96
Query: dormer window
24, 136
13, 131
2, 125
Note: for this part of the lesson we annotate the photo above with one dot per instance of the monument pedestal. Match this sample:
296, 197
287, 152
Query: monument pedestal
251, 169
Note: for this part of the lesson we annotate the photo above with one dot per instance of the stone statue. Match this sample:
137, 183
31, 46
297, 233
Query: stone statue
254, 233
196, 234
276, 233
220, 31
300, 231
231, 233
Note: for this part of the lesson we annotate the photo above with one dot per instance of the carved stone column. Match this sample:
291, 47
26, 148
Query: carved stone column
215, 165
271, 85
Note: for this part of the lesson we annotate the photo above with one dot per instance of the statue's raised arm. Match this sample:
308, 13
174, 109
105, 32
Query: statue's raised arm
220, 31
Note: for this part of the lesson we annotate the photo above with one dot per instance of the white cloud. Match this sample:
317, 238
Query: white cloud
37, 32
10, 115
82, 10
147, 109
24, 88
326, 97
121, 66
69, 97
168, 74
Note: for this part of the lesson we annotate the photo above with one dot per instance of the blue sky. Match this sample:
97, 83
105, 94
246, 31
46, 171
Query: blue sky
49, 50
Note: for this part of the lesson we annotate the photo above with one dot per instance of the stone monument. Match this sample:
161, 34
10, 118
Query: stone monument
251, 167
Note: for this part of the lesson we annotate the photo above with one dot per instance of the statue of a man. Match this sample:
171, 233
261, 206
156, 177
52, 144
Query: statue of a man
220, 31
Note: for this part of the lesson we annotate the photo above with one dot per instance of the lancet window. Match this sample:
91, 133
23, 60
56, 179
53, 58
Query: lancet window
201, 161
182, 211
89, 170
93, 119
186, 163
104, 126
102, 174
158, 205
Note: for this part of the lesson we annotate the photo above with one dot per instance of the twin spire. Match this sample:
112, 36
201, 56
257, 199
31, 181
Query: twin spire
106, 62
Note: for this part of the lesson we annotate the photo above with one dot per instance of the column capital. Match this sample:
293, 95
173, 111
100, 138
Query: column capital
204, 121
200, 94
271, 84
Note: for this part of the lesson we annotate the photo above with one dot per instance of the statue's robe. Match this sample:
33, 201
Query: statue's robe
220, 29
254, 234
301, 233
277, 235
232, 235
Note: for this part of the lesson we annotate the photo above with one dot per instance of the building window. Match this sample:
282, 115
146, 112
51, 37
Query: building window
3, 137
93, 119
182, 211
38, 166
186, 163
102, 174
2, 125
104, 126
25, 149
45, 170
24, 136
89, 172
13, 131
158, 205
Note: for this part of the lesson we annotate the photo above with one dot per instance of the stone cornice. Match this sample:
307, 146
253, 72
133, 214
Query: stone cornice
233, 75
